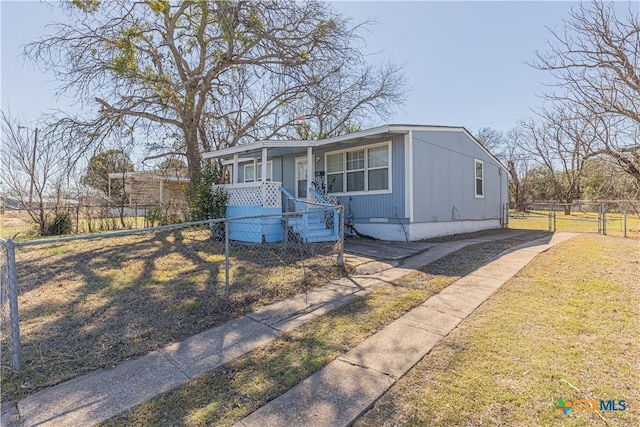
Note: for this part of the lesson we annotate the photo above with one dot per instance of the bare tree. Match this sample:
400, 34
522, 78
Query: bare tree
33, 170
202, 75
596, 62
560, 142
605, 180
491, 139
617, 140
519, 163
97, 176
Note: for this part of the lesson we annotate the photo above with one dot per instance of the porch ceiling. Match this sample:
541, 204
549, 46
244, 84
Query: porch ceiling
256, 147
271, 152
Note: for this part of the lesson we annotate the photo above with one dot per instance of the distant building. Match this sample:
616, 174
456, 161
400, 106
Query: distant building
164, 188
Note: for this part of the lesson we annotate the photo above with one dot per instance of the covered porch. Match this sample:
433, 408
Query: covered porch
253, 167
262, 183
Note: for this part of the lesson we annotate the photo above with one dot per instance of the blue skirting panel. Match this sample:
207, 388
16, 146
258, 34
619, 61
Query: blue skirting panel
255, 230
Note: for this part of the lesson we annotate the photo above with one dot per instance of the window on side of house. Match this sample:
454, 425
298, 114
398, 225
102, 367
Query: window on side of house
358, 170
479, 178
252, 174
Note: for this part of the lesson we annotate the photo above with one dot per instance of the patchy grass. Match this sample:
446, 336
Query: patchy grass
566, 326
15, 225
18, 225
226, 395
89, 304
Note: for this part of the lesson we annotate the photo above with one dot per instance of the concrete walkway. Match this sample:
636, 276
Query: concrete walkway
347, 387
333, 396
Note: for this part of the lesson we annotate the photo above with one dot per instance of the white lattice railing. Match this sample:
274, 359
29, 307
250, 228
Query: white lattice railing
266, 194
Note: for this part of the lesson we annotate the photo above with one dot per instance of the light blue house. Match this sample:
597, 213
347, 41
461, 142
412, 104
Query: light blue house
396, 182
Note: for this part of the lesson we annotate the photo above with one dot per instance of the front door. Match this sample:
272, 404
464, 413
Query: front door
302, 174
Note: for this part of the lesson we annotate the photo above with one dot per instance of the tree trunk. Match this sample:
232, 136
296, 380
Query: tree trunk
194, 160
43, 228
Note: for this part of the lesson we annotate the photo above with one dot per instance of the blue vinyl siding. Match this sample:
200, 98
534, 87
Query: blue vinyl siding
288, 174
365, 206
444, 179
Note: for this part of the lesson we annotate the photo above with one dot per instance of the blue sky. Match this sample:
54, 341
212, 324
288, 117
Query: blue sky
465, 61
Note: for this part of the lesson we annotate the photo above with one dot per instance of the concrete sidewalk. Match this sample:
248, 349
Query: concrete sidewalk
98, 396
348, 386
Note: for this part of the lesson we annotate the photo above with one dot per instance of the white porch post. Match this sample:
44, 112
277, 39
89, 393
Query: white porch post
264, 165
310, 172
234, 179
264, 175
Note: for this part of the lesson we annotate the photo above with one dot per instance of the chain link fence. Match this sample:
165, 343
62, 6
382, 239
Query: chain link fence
9, 326
83, 219
614, 217
86, 302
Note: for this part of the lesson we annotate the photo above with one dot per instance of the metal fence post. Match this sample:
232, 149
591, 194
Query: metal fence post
550, 216
600, 219
506, 215
226, 258
13, 306
285, 238
604, 219
341, 232
624, 223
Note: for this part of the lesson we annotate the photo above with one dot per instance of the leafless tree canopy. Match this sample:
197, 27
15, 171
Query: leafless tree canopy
491, 139
514, 154
561, 143
596, 63
203, 75
33, 173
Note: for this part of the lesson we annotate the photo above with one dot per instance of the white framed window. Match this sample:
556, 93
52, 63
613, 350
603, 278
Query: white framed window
334, 172
359, 170
478, 166
253, 171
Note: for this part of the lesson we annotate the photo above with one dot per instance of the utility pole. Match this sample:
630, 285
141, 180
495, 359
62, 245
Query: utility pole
32, 172
33, 164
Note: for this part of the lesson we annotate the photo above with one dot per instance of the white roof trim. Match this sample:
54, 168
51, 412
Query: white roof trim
473, 138
392, 128
360, 134
303, 144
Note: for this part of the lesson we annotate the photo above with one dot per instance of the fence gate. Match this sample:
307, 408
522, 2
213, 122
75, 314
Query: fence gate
614, 218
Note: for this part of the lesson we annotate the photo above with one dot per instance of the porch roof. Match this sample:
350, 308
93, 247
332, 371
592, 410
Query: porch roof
277, 148
281, 147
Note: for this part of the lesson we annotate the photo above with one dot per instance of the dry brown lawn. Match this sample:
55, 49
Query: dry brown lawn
88, 304
565, 327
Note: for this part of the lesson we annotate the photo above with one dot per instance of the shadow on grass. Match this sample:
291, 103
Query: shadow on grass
227, 394
86, 305
468, 259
